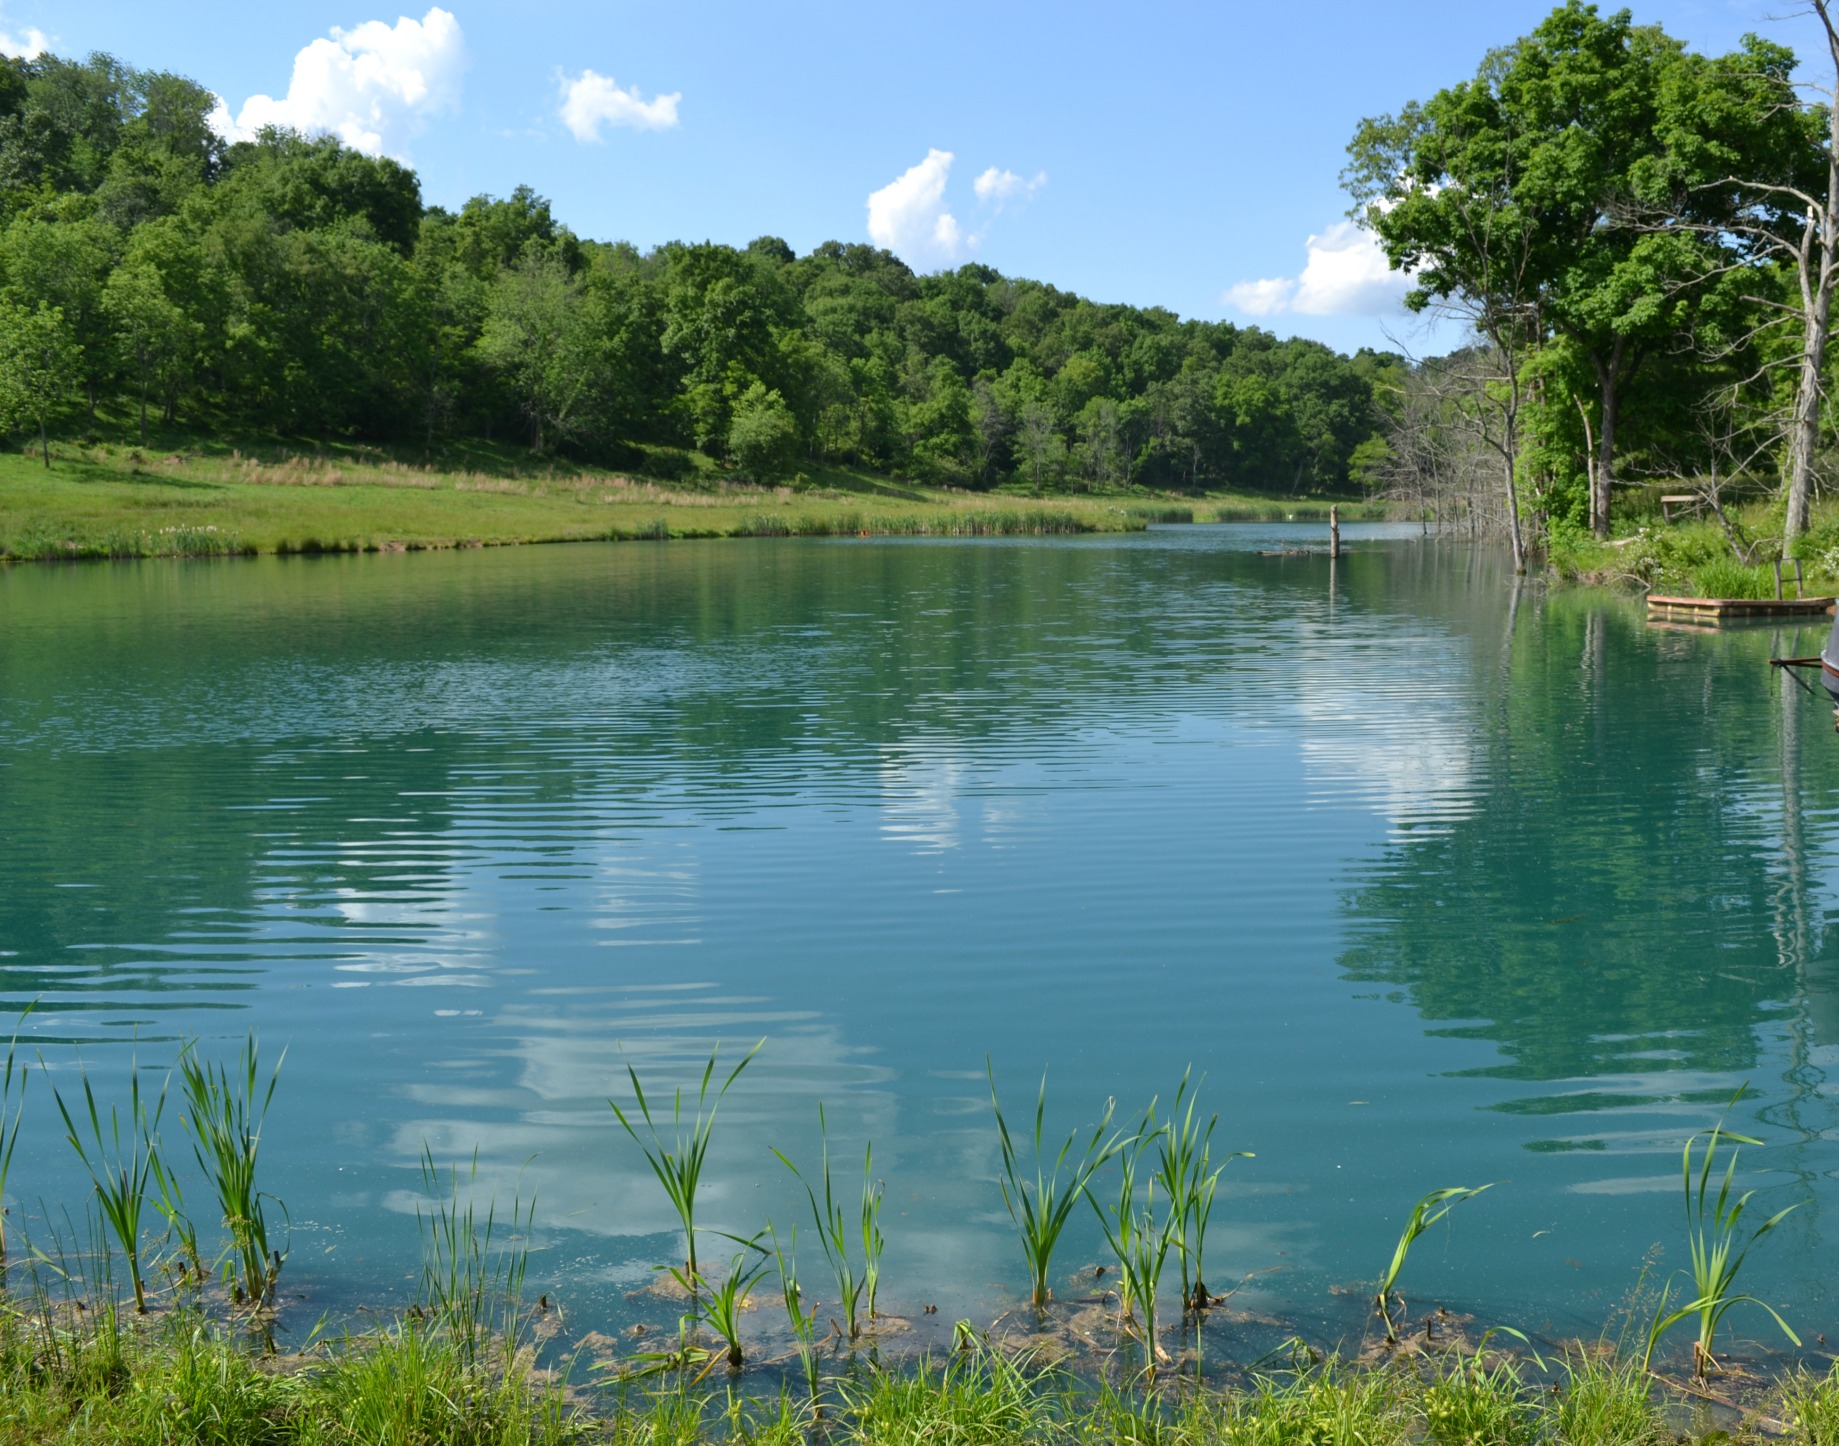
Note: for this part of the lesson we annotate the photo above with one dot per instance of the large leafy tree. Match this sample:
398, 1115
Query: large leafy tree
1516, 198
538, 336
39, 364
64, 263
153, 334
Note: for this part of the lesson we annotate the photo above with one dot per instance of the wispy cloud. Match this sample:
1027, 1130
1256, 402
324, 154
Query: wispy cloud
911, 217
998, 188
592, 100
1346, 274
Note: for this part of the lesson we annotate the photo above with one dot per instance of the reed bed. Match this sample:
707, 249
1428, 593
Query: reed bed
174, 1359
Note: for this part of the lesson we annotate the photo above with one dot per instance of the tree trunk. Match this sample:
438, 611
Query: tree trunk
44, 442
1817, 276
1589, 458
1513, 515
1609, 383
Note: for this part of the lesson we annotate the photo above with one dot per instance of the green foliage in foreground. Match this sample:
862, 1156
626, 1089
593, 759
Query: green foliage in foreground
185, 1381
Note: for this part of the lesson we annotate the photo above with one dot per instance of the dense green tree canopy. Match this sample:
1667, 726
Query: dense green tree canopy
290, 284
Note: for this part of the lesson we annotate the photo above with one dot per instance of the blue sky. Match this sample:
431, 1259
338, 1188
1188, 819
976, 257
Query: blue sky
1182, 155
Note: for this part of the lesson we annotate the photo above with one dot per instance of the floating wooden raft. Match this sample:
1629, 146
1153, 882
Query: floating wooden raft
1711, 609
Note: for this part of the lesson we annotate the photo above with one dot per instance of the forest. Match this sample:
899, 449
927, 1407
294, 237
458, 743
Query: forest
289, 286
1638, 246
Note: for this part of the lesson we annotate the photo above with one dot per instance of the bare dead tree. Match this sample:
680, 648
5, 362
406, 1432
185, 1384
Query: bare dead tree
1817, 271
1444, 443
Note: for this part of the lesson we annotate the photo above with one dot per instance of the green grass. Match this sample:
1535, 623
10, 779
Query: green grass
112, 502
1694, 556
1246, 508
182, 1378
13, 1097
120, 1165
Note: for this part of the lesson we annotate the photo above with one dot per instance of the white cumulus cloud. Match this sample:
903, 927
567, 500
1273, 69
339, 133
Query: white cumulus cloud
908, 215
29, 46
998, 188
592, 100
1346, 275
371, 86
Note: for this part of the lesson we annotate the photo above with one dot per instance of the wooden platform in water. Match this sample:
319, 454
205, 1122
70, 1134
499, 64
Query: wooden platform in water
1723, 609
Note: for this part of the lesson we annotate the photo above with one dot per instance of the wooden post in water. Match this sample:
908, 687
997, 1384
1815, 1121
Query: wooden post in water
1334, 530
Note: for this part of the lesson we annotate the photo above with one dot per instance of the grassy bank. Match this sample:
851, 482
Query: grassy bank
113, 1329
1698, 556
187, 1380
1265, 509
103, 501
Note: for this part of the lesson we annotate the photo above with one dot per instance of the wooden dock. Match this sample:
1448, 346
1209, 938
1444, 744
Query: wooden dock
1711, 610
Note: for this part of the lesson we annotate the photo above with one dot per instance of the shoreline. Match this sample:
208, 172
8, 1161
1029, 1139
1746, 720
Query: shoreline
500, 1369
104, 504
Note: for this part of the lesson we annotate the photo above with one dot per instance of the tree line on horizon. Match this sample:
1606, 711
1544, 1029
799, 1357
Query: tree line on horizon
292, 286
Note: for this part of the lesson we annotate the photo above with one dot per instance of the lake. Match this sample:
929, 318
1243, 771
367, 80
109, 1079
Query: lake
1435, 879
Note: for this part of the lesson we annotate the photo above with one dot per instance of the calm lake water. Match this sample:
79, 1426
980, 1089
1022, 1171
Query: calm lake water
1436, 882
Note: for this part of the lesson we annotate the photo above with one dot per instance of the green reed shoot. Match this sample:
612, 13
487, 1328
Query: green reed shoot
9, 1128
872, 1241
1140, 1242
722, 1307
679, 1165
1040, 1208
803, 1322
1714, 1231
471, 1287
170, 1202
1190, 1180
119, 1167
833, 1233
1426, 1213
224, 1113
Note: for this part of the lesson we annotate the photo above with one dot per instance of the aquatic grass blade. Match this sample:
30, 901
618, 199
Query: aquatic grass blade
225, 1114
802, 1321
472, 1286
678, 1165
1191, 1182
118, 1171
833, 1231
10, 1122
1718, 1249
1426, 1213
1140, 1242
1040, 1207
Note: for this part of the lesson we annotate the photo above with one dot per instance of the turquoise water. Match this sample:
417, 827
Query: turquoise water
1435, 881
